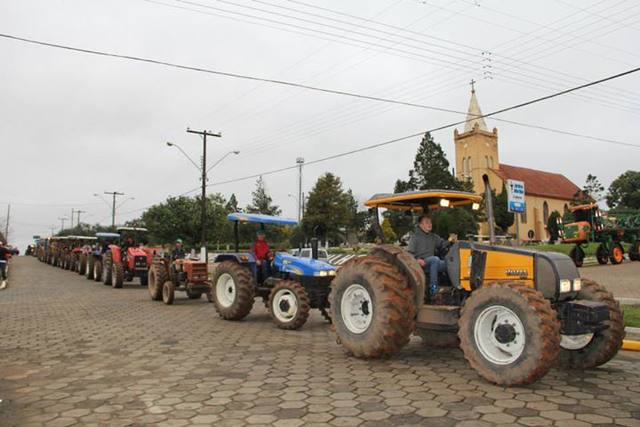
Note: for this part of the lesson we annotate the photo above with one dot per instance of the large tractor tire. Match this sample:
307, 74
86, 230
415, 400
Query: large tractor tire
107, 270
117, 275
233, 290
289, 305
577, 255
144, 279
91, 265
602, 254
372, 308
617, 254
72, 263
98, 269
157, 276
82, 265
438, 339
591, 350
509, 333
168, 292
634, 251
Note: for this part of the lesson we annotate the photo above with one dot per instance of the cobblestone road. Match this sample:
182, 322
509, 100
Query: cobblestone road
74, 352
623, 279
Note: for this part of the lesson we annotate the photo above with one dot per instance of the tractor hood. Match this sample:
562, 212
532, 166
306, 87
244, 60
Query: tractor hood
303, 266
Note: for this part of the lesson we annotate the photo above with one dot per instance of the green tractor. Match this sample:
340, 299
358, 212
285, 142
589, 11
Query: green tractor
589, 225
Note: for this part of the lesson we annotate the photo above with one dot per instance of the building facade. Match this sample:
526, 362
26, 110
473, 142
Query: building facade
477, 155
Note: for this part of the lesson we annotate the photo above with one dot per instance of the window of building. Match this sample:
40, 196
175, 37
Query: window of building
486, 159
491, 162
545, 212
469, 165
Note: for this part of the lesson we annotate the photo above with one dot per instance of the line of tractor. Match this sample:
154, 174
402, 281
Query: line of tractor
515, 313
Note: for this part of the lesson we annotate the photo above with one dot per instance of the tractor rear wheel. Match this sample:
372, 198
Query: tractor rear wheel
438, 339
289, 305
98, 270
168, 292
107, 269
91, 265
233, 290
372, 308
617, 254
577, 255
509, 333
117, 275
72, 263
634, 251
157, 276
82, 265
591, 350
602, 254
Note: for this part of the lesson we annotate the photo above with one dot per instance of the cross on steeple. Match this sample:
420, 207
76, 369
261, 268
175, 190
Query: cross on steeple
473, 88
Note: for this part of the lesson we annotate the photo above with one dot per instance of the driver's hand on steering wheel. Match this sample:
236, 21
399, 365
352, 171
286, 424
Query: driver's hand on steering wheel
421, 262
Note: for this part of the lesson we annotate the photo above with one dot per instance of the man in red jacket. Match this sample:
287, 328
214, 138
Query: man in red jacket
260, 250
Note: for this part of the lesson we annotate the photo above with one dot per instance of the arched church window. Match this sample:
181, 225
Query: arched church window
469, 167
486, 159
491, 162
545, 212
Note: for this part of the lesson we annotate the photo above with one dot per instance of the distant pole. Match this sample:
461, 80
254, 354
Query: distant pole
62, 220
78, 212
73, 212
300, 162
203, 208
113, 206
6, 226
517, 230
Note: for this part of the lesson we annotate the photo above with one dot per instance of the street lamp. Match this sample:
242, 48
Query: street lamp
236, 152
125, 201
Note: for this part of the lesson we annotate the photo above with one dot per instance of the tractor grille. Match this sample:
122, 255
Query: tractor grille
140, 261
198, 272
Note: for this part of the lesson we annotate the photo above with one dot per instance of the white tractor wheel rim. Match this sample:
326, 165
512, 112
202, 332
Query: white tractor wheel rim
575, 342
499, 335
285, 305
225, 290
356, 309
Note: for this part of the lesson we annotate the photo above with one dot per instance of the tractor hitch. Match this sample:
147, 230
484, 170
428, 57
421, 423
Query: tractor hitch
581, 317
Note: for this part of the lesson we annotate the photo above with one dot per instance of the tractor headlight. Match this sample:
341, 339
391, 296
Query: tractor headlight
331, 272
444, 203
475, 206
320, 273
565, 285
577, 284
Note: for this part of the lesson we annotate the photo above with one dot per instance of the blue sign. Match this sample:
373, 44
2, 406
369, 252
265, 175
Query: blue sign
516, 196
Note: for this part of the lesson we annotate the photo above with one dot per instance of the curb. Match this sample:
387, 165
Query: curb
631, 345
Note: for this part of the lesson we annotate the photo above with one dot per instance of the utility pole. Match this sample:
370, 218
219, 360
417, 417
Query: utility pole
62, 220
72, 216
300, 162
78, 212
203, 209
6, 226
113, 206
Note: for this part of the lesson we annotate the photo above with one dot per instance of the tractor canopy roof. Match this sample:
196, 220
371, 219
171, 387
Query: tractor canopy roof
134, 229
107, 236
82, 237
423, 200
260, 218
583, 207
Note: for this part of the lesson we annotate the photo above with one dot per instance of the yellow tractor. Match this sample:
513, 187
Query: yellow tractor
513, 312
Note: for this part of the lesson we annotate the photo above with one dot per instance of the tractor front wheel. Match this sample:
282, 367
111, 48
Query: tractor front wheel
157, 277
509, 333
590, 350
98, 270
289, 305
372, 308
168, 292
617, 254
634, 252
144, 279
117, 275
82, 265
577, 255
233, 290
602, 254
107, 270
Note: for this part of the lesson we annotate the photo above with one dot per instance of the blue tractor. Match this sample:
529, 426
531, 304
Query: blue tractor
289, 285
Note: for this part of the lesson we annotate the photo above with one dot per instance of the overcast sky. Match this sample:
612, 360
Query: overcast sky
72, 124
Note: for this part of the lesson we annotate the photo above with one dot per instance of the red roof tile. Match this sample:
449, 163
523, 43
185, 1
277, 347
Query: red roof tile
540, 183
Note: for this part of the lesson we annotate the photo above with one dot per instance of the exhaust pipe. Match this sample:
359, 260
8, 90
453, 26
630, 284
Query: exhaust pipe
488, 197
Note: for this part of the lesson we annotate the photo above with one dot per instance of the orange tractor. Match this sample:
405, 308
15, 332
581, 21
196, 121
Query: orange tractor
128, 259
167, 276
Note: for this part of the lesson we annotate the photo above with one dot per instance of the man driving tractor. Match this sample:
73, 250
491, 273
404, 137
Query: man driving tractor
425, 246
260, 250
178, 251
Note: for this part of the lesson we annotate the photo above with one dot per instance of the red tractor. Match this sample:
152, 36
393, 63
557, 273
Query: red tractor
80, 249
128, 259
167, 276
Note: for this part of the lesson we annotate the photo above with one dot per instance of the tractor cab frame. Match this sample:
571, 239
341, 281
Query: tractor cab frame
289, 285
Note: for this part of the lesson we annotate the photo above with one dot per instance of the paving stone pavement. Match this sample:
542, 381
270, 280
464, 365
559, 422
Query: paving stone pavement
75, 352
621, 279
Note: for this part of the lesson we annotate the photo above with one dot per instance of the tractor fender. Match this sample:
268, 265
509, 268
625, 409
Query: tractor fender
116, 255
407, 265
240, 258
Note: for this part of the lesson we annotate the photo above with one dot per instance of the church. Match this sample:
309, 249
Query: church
477, 155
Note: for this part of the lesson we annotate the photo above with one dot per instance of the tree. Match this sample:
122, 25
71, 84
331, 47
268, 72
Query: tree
387, 231
232, 204
504, 218
261, 201
624, 191
331, 209
401, 221
592, 191
552, 226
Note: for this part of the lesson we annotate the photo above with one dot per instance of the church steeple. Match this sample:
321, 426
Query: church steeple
474, 113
